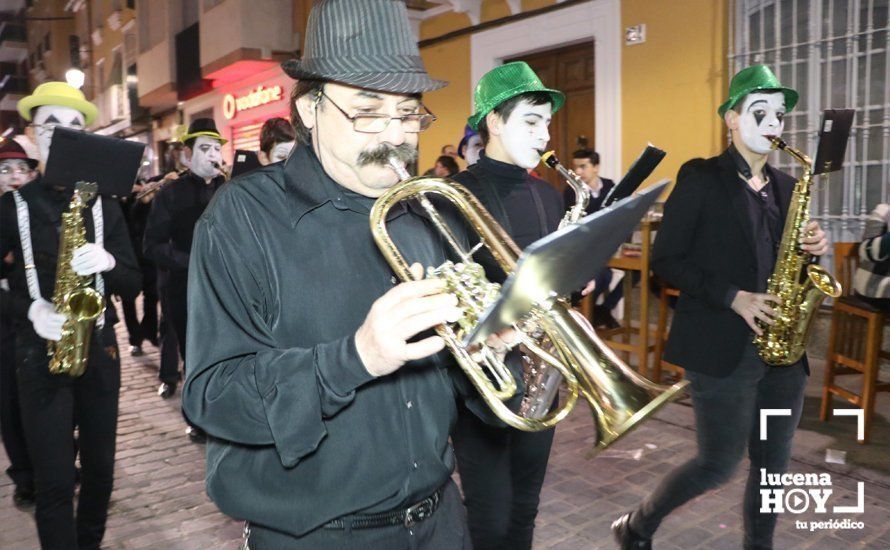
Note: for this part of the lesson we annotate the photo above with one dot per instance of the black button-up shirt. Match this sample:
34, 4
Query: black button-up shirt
283, 272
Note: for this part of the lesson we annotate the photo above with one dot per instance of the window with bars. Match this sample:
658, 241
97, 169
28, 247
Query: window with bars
835, 53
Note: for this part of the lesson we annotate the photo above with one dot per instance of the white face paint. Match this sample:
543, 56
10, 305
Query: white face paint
281, 151
762, 115
524, 134
46, 118
14, 173
205, 152
473, 150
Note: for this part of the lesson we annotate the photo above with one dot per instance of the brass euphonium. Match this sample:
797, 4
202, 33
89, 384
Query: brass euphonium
74, 297
619, 397
800, 284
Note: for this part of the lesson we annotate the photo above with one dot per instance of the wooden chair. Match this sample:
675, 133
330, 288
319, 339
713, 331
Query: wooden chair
661, 336
854, 342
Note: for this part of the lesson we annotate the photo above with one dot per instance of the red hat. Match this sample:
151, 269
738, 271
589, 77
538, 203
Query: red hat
10, 149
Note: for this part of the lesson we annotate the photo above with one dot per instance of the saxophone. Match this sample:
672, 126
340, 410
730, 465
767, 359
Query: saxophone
800, 284
542, 382
74, 297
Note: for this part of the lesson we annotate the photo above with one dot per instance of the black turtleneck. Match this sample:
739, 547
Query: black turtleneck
527, 207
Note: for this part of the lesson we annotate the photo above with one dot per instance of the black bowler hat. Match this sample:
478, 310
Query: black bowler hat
203, 127
362, 43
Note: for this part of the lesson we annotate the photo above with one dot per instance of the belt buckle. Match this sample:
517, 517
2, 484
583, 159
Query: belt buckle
418, 513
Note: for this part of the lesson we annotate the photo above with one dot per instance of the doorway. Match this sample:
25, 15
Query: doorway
571, 71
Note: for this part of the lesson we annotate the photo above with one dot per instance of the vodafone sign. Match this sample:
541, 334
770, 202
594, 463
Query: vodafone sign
234, 104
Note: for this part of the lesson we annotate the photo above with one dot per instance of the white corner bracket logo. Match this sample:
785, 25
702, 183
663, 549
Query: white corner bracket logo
766, 413
858, 413
799, 493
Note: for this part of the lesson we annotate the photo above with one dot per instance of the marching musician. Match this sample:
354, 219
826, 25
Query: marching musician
327, 401
502, 471
168, 233
718, 244
52, 403
16, 169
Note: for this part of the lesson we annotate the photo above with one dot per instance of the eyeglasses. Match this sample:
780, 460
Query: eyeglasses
374, 123
14, 170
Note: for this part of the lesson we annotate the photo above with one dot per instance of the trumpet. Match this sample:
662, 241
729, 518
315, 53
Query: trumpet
619, 397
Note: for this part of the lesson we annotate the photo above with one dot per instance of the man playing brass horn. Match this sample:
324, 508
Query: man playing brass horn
718, 244
52, 403
327, 403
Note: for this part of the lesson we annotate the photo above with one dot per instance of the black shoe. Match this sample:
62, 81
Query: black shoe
166, 390
626, 538
135, 351
196, 434
23, 497
602, 319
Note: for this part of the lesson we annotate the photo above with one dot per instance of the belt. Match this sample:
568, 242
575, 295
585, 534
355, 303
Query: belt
407, 516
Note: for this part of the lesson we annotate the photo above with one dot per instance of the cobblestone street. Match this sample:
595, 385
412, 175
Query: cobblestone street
159, 499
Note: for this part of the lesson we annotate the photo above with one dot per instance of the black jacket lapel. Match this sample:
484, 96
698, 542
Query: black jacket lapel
729, 178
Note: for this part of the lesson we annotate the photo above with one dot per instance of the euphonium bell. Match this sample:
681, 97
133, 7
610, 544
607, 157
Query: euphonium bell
619, 397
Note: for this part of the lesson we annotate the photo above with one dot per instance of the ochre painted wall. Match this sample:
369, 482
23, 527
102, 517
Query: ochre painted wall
446, 61
672, 84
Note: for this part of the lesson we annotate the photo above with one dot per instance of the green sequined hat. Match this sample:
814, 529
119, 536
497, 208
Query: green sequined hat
501, 83
757, 78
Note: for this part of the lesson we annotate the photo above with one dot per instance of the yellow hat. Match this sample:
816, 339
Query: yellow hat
57, 93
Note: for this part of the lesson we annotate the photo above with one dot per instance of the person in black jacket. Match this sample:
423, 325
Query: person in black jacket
51, 404
586, 164
136, 212
502, 470
16, 169
168, 234
718, 244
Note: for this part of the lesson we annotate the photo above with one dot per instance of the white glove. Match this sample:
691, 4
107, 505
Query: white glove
47, 323
92, 258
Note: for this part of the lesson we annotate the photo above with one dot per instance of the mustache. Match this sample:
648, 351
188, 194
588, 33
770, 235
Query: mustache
381, 155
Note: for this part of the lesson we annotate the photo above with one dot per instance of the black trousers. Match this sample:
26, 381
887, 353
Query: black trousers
501, 473
147, 328
174, 307
445, 530
20, 470
727, 412
51, 405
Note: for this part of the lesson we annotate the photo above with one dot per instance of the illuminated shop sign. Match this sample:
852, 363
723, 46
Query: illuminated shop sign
234, 104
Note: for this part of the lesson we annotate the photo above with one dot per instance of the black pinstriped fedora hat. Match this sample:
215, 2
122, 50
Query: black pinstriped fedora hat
363, 43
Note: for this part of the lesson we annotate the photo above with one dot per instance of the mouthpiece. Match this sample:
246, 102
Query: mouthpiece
776, 142
398, 167
550, 159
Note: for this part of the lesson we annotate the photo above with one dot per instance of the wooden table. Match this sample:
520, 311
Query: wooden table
629, 264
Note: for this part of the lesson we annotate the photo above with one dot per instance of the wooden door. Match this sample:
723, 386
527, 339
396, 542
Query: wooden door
569, 70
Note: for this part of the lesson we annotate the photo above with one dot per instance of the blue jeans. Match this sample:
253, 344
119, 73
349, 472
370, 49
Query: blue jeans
727, 412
